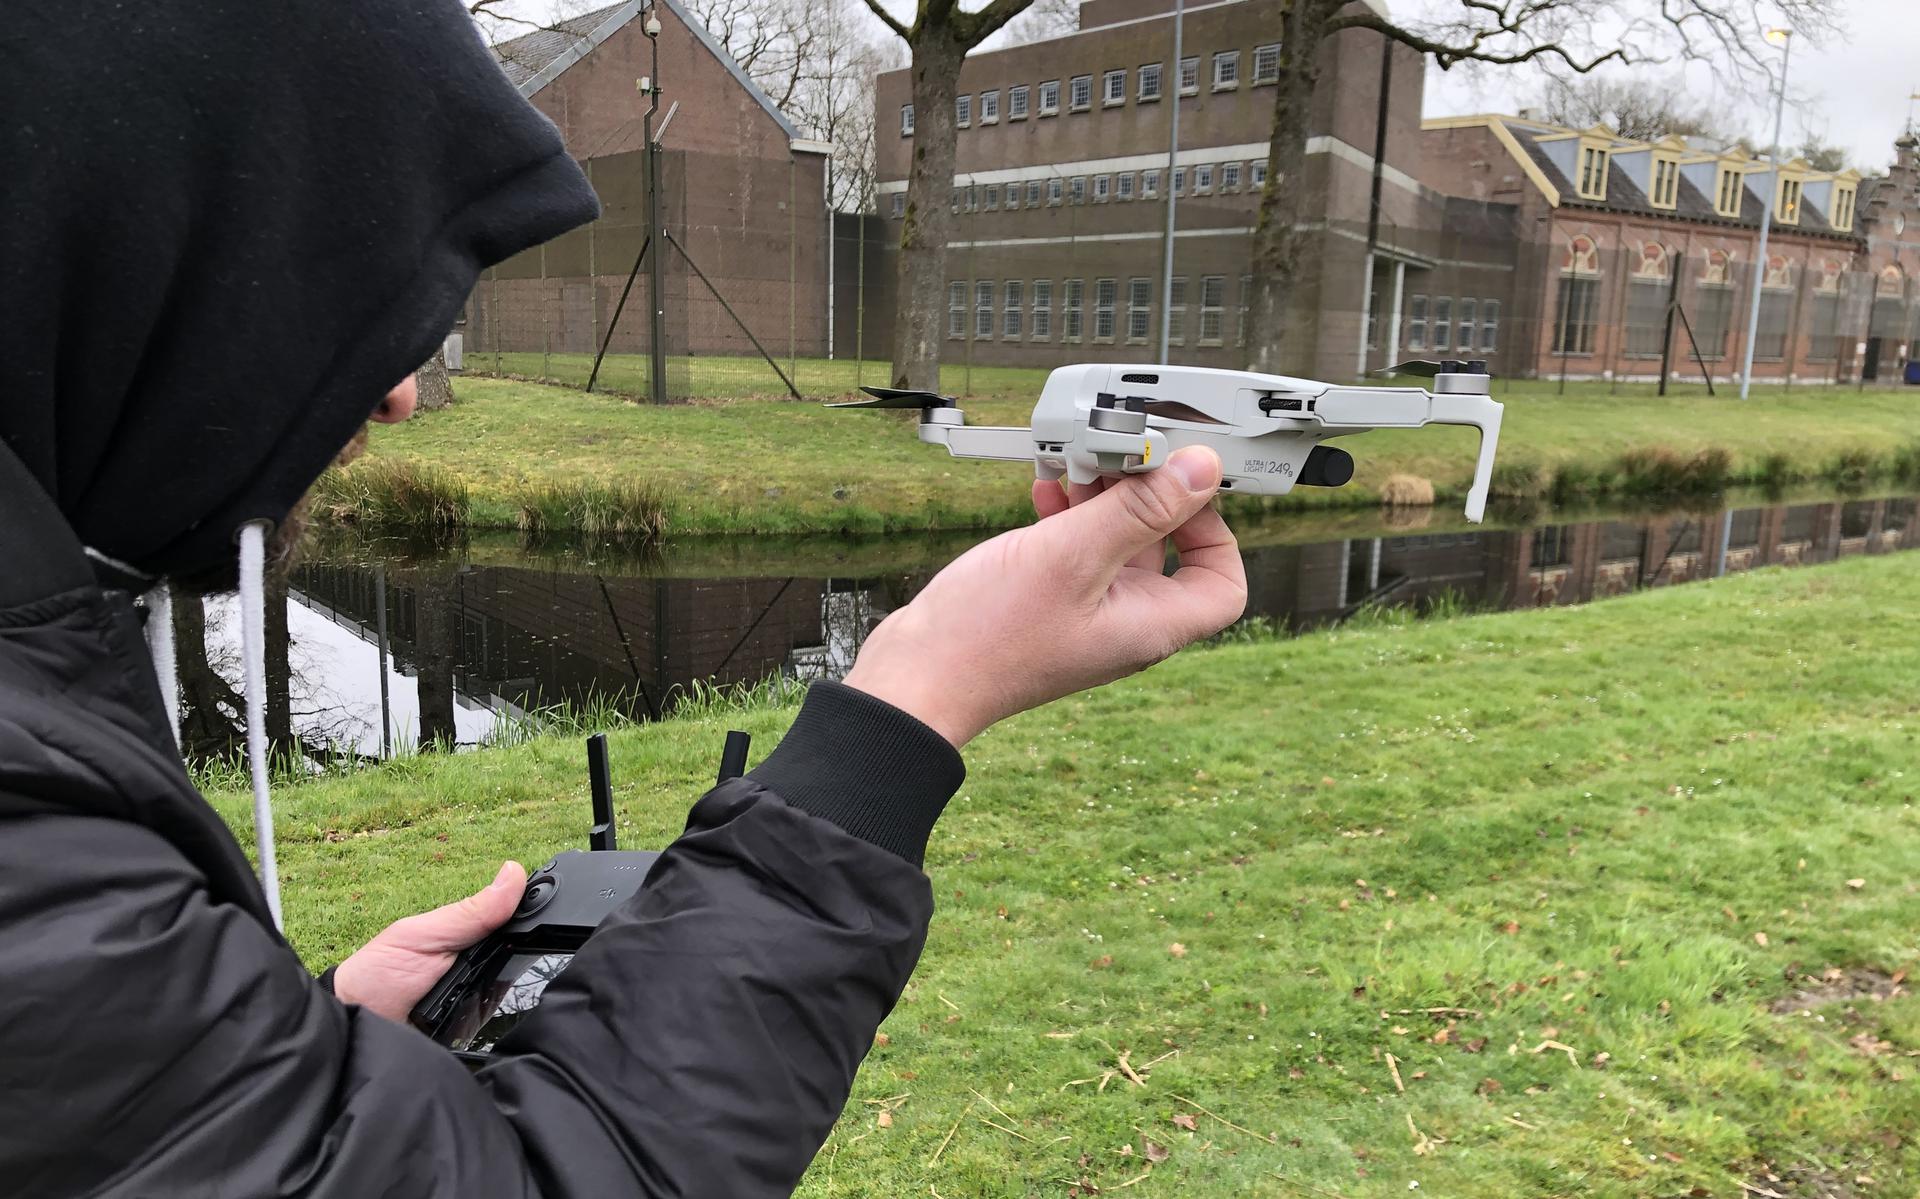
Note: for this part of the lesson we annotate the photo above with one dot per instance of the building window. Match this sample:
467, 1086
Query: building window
1666, 183
990, 108
1229, 176
956, 309
1489, 325
1102, 186
1189, 76
1080, 93
1139, 309
1150, 183
1443, 322
1266, 64
993, 197
1824, 344
1123, 185
1077, 189
1150, 81
1416, 322
1013, 196
1646, 316
1113, 87
956, 200
906, 120
1842, 216
1727, 192
1776, 310
1054, 188
899, 204
1213, 305
1070, 306
1593, 173
1573, 316
1050, 97
1257, 173
1712, 310
1033, 193
1017, 102
1010, 310
1104, 293
1042, 309
983, 309
1469, 323
1179, 181
970, 197
963, 111
1786, 208
1226, 70
1177, 312
1203, 179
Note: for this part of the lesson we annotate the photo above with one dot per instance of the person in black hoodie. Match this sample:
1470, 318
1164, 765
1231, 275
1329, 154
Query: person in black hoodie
227, 227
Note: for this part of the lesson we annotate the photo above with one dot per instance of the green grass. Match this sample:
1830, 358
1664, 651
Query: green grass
773, 466
1627, 828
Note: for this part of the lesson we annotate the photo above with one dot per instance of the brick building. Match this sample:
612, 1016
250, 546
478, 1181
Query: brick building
742, 190
1548, 251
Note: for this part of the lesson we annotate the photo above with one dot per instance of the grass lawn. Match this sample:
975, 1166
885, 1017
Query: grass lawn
776, 466
1540, 903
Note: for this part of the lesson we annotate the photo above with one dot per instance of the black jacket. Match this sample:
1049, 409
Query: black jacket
227, 227
158, 1037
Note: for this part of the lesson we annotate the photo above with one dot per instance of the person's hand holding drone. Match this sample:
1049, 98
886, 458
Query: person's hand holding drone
1074, 601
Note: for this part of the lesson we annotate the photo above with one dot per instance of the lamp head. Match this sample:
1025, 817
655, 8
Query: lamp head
652, 26
1777, 35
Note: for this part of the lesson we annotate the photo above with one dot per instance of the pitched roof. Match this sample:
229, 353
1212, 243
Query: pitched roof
536, 59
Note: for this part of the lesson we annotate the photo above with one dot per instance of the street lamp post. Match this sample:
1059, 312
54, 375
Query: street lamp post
1783, 39
656, 243
1173, 157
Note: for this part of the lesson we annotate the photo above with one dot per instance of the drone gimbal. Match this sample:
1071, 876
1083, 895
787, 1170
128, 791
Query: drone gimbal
1270, 431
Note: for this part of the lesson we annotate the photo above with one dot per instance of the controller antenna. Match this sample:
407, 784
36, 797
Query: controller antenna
733, 756
601, 836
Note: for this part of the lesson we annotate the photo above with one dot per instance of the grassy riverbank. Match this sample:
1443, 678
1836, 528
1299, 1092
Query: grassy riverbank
1575, 902
544, 459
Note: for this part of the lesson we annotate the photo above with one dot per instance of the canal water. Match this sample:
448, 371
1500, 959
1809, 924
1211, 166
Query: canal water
376, 647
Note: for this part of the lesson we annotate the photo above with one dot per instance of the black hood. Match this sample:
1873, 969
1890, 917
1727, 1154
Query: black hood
227, 229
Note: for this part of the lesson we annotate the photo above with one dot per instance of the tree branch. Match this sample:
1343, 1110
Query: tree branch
884, 15
1447, 55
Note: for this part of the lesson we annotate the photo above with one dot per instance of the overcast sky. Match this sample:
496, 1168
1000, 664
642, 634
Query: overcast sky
1851, 91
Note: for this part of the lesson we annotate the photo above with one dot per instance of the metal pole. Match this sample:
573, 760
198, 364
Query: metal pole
1675, 263
1173, 157
380, 624
656, 307
1766, 213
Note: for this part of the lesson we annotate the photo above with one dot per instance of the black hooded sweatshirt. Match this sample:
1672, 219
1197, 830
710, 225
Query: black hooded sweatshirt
227, 227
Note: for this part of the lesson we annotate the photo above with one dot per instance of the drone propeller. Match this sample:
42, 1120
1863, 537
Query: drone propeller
894, 397
1426, 368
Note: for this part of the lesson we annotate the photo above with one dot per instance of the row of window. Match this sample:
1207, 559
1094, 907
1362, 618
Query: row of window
1043, 99
1022, 310
1730, 184
1206, 178
1432, 325
1710, 318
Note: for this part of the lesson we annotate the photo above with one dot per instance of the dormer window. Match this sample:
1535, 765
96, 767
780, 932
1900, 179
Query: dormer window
1727, 191
1593, 173
1841, 217
1786, 202
1666, 183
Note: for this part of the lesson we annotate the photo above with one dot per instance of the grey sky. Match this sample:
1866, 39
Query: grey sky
1851, 91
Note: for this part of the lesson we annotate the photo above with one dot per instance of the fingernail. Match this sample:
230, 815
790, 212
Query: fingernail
1196, 466
500, 879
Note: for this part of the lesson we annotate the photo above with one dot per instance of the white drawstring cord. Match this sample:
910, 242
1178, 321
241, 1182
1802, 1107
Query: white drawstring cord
159, 632
253, 655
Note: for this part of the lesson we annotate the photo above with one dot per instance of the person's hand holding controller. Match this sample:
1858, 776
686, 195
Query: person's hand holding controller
1074, 601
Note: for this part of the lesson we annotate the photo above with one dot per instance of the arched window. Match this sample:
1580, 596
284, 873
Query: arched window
1652, 261
1582, 256
1573, 318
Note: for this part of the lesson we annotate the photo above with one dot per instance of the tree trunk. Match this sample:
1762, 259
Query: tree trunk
434, 384
279, 662
924, 233
436, 650
1277, 240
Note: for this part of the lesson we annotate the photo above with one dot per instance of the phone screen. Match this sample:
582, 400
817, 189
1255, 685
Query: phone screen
524, 979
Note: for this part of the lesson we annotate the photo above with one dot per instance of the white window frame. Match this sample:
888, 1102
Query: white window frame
1102, 188
1123, 186
1113, 88
1226, 70
1269, 56
1080, 93
1042, 319
899, 205
1056, 190
1489, 326
1229, 176
983, 293
1103, 309
1203, 179
963, 111
1150, 70
1018, 99
1466, 327
1139, 311
1257, 173
1077, 190
1033, 193
906, 120
1177, 311
1416, 322
992, 202
1073, 310
1010, 309
1150, 183
1050, 108
957, 310
990, 107
1440, 336
1179, 181
1189, 66
1213, 315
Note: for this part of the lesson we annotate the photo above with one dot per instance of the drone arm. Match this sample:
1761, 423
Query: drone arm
1483, 414
1006, 443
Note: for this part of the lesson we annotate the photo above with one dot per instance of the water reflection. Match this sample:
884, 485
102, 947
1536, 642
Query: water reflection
369, 651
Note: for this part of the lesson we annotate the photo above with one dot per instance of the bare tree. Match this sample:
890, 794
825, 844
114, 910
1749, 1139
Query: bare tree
1823, 155
1642, 109
941, 35
1565, 36
1046, 18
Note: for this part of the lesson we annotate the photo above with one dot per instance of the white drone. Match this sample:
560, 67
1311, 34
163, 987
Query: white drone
1098, 419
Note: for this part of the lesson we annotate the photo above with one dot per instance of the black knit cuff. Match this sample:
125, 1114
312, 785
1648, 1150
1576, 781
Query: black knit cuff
325, 981
866, 766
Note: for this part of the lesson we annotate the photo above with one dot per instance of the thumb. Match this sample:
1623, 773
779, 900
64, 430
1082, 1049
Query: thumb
1138, 511
463, 922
